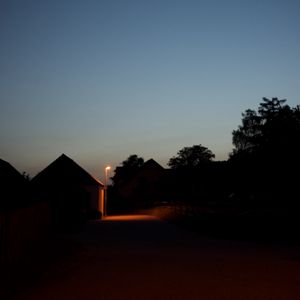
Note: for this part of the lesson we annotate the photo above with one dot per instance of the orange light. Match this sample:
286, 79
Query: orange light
128, 218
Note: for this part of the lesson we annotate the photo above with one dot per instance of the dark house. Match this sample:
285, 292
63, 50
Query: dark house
151, 184
72, 192
13, 187
139, 187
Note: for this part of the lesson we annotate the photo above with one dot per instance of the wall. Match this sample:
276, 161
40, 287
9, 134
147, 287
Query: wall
21, 229
96, 195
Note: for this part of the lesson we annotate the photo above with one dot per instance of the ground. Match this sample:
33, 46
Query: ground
143, 257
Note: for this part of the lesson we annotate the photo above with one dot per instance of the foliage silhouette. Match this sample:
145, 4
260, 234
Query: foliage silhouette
272, 131
126, 168
191, 157
133, 161
266, 155
122, 175
26, 176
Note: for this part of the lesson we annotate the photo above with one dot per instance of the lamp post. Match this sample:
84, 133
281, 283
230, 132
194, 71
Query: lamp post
105, 192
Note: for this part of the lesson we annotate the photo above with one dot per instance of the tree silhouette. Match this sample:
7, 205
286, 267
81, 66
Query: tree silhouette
266, 154
271, 132
127, 168
133, 161
191, 157
26, 176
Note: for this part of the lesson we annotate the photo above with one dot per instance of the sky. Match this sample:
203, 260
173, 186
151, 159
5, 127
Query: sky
100, 80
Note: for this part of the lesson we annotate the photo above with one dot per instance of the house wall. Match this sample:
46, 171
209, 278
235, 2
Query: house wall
101, 201
21, 231
143, 185
96, 198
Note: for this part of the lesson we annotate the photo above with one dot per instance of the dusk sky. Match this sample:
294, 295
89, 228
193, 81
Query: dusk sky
100, 80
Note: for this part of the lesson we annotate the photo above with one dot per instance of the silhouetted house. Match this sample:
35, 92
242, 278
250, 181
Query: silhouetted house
207, 185
13, 187
139, 186
72, 192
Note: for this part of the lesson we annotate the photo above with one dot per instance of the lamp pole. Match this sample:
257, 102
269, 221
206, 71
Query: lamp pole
105, 191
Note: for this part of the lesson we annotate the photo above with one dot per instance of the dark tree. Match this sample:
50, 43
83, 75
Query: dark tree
133, 161
247, 136
26, 176
191, 157
127, 168
266, 154
122, 175
272, 131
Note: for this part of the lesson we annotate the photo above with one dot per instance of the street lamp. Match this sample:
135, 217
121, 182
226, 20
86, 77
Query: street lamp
105, 191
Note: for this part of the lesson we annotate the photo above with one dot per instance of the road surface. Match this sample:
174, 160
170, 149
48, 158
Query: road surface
142, 257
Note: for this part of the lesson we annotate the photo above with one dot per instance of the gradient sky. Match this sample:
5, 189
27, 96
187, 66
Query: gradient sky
99, 80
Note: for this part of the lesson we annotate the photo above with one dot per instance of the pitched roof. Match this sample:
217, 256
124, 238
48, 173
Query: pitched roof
152, 164
65, 171
9, 175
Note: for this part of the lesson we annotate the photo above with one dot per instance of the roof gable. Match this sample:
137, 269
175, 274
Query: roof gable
64, 170
151, 164
9, 175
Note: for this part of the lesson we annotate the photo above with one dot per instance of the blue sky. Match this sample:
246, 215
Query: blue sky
100, 80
